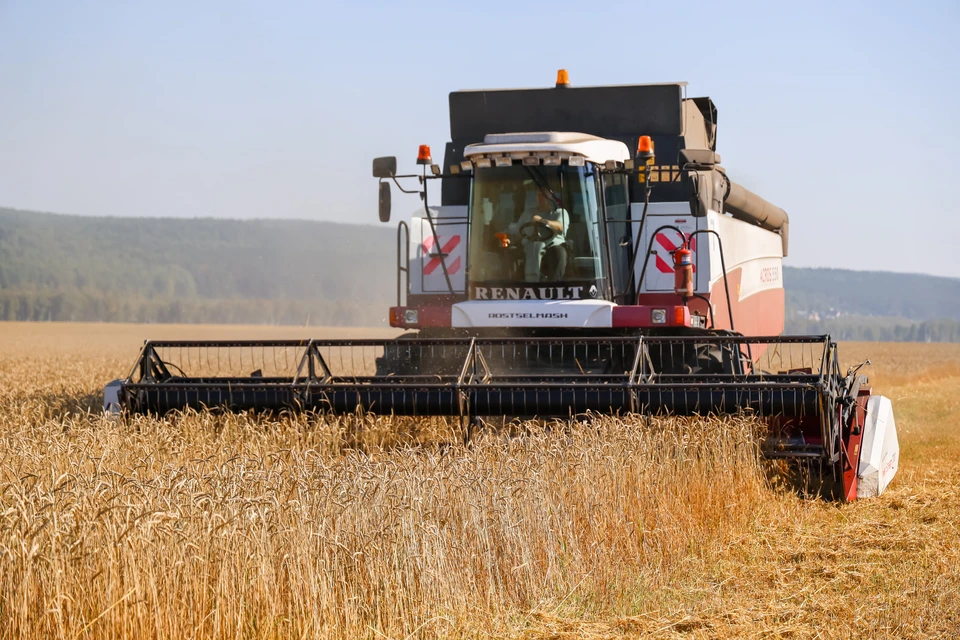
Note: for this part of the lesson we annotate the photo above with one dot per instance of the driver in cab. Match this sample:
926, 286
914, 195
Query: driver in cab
543, 234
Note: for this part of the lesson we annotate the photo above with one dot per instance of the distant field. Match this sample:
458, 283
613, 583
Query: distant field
124, 340
223, 527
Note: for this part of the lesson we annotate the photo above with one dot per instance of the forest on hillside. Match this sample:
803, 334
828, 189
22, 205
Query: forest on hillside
872, 293
295, 272
872, 305
55, 267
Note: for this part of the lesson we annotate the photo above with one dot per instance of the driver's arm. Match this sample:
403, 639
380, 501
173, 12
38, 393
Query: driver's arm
560, 226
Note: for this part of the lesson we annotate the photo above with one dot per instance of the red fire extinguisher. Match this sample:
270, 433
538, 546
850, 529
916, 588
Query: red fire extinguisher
683, 272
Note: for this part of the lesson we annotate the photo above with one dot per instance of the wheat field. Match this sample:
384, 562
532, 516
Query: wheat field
209, 526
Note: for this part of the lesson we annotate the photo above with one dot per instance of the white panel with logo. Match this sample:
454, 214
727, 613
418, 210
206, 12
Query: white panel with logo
659, 277
529, 313
757, 252
426, 250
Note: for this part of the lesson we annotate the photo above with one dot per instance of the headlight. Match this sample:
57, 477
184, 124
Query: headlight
410, 316
658, 316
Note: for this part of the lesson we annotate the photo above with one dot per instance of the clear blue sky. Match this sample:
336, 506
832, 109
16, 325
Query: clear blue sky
846, 114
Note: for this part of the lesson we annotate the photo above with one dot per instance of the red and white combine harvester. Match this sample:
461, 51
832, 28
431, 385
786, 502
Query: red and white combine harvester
588, 254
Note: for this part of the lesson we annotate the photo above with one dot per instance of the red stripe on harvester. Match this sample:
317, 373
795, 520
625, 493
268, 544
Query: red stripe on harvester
447, 248
662, 265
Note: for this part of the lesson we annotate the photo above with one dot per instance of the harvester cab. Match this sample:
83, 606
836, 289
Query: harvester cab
588, 254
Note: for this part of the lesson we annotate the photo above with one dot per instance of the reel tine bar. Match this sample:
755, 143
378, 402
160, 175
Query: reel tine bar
794, 382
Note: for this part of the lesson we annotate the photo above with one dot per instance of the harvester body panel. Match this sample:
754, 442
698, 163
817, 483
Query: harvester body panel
659, 275
427, 277
617, 245
563, 311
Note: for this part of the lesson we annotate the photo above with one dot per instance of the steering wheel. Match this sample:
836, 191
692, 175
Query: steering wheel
541, 231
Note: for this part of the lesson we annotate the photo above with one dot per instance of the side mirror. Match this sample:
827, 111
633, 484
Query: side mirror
699, 192
385, 167
385, 201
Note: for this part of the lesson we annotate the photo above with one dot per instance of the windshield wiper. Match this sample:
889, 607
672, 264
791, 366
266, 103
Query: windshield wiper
543, 185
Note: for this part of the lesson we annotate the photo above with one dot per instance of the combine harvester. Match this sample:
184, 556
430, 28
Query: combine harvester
563, 274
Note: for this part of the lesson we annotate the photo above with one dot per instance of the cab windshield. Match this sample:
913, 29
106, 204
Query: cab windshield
534, 224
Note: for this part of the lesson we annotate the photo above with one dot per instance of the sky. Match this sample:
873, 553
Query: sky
843, 113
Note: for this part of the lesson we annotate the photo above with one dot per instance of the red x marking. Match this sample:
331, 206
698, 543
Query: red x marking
662, 265
446, 249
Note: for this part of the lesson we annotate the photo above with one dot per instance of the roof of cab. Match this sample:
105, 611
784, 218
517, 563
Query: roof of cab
593, 148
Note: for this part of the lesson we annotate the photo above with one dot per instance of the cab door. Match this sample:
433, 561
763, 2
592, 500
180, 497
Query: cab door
618, 235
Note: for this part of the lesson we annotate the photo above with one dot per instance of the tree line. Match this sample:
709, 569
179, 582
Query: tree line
882, 329
74, 268
45, 305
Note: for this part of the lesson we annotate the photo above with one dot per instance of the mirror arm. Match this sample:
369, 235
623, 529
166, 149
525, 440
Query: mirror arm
394, 178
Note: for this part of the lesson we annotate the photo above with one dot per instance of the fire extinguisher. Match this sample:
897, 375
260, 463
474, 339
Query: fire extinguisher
683, 272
